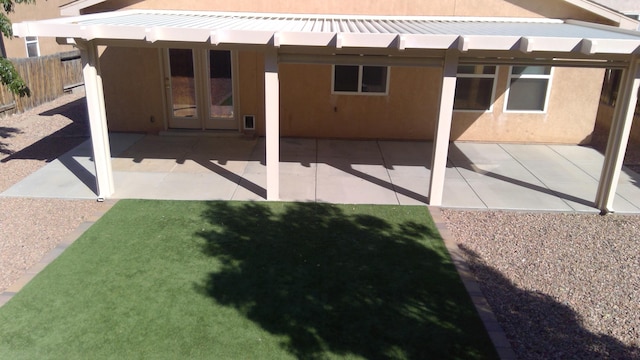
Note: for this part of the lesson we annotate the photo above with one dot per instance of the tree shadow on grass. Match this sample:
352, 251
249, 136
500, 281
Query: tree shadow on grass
540, 327
342, 283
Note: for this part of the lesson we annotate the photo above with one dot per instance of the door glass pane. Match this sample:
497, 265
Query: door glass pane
183, 89
221, 84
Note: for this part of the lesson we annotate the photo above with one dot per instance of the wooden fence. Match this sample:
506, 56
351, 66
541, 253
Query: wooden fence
48, 77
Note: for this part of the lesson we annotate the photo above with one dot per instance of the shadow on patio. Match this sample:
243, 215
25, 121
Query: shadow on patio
200, 167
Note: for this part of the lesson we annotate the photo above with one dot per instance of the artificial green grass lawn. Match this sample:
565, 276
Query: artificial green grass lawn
223, 280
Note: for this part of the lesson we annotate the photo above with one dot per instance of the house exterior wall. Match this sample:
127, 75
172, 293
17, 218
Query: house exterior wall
133, 89
308, 108
16, 47
570, 116
134, 85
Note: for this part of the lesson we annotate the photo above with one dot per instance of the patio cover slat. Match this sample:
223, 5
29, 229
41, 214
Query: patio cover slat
361, 31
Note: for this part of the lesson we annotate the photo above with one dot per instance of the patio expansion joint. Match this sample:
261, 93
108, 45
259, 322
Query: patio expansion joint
386, 169
315, 187
492, 326
630, 201
466, 181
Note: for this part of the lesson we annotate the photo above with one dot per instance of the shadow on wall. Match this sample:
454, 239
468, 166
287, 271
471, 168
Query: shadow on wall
558, 335
51, 147
331, 281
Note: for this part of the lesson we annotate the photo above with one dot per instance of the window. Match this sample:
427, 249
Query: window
360, 79
528, 88
33, 49
474, 88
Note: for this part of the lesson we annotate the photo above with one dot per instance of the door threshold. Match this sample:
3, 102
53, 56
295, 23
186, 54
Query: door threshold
211, 133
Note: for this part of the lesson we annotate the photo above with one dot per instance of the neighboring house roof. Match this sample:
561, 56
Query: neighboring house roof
630, 8
431, 33
74, 8
623, 6
607, 13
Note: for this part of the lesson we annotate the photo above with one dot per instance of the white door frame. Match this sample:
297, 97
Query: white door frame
203, 120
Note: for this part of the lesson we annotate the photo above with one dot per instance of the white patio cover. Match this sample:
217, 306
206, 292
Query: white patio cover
454, 40
435, 33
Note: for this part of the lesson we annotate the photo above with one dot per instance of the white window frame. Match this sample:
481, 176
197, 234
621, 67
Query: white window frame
547, 77
360, 71
28, 40
493, 76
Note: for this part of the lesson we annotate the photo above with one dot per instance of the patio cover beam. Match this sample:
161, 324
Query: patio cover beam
442, 132
618, 137
97, 118
272, 122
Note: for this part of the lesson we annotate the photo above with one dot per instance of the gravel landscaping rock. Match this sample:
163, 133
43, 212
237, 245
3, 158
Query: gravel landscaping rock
30, 228
563, 286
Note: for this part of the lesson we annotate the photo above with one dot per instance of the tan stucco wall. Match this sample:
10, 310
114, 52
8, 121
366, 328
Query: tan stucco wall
133, 89
308, 108
521, 8
135, 92
43, 9
570, 117
251, 86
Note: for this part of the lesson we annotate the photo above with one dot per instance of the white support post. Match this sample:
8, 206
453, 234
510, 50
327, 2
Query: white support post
97, 118
618, 137
443, 129
272, 123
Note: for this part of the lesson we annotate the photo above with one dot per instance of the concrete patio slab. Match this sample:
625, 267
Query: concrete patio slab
498, 194
460, 194
495, 176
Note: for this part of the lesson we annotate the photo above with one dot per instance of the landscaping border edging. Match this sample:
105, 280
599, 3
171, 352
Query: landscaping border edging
495, 331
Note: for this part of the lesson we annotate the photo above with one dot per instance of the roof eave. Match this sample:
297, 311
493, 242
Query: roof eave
623, 21
74, 8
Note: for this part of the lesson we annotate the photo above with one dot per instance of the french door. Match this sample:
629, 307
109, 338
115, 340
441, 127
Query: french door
200, 89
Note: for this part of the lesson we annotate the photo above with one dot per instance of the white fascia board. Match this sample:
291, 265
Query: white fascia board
488, 42
115, 32
358, 40
429, 42
552, 44
154, 34
37, 28
304, 39
609, 46
248, 37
